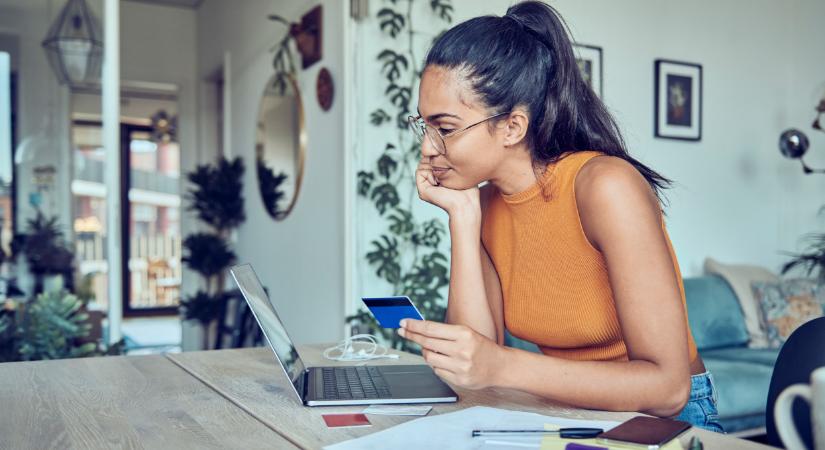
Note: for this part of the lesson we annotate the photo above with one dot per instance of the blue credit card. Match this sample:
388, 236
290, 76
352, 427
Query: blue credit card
389, 311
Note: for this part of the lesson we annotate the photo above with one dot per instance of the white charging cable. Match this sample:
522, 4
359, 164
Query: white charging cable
370, 349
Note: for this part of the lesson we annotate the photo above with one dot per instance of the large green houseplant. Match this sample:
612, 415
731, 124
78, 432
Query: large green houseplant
53, 325
408, 252
216, 196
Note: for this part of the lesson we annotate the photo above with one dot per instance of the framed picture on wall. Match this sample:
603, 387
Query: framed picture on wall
589, 58
678, 100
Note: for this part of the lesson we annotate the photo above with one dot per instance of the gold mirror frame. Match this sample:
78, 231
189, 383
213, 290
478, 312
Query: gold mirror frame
302, 144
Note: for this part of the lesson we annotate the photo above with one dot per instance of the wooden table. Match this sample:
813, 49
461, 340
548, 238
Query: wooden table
120, 402
252, 379
212, 399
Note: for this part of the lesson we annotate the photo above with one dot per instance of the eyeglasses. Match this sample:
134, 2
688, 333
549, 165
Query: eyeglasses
420, 128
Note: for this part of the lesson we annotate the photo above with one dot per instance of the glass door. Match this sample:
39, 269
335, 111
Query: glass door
151, 221
150, 214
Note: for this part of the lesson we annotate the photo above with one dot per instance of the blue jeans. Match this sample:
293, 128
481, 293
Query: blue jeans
700, 410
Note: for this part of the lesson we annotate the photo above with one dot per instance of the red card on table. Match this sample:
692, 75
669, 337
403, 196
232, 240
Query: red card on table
346, 420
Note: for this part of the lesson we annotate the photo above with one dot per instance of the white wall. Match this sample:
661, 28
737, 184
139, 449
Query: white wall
735, 198
301, 259
42, 106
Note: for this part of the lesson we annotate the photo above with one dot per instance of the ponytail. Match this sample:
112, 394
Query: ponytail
525, 58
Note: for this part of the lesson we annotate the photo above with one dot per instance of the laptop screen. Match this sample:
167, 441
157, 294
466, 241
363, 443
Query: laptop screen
271, 325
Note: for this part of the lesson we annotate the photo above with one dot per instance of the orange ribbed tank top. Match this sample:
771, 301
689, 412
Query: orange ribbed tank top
554, 283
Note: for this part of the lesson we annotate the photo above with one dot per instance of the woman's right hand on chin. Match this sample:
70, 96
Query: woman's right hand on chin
465, 203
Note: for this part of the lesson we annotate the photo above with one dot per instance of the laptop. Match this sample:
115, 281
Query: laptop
339, 385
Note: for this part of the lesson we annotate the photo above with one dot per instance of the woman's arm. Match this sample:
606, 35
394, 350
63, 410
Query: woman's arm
470, 279
620, 217
475, 291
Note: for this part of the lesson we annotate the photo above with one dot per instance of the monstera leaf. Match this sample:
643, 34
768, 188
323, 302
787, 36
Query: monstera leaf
386, 164
385, 196
394, 64
390, 21
385, 257
443, 8
398, 95
365, 180
379, 116
401, 222
432, 231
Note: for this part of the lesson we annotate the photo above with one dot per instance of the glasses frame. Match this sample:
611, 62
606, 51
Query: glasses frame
418, 123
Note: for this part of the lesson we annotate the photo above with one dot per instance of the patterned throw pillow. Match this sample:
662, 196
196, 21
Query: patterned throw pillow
788, 304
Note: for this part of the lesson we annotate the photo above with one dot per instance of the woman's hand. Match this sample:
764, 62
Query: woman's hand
455, 202
457, 354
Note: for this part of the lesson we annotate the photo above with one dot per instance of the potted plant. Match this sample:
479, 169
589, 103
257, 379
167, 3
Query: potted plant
49, 258
54, 325
216, 196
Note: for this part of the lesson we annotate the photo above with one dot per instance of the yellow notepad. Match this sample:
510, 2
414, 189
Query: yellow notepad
551, 442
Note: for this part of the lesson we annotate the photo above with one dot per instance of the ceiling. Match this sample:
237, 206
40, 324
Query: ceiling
38, 4
179, 3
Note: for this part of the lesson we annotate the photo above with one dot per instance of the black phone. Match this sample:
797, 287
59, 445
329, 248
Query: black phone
644, 432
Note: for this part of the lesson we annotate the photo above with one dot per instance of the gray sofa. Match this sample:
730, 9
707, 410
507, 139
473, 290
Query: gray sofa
742, 374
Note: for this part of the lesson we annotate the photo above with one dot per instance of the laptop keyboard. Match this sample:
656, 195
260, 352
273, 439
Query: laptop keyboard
342, 383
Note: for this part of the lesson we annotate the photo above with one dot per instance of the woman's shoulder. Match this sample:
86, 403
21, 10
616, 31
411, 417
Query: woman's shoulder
601, 171
610, 180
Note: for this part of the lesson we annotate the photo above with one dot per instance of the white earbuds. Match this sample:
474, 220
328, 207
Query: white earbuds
344, 350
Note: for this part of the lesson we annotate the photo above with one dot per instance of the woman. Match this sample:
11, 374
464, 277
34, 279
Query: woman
565, 246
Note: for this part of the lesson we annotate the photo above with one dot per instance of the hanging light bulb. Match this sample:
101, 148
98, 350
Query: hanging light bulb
74, 45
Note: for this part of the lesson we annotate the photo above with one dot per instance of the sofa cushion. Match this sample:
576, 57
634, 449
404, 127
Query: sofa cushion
714, 314
740, 277
789, 304
742, 386
764, 356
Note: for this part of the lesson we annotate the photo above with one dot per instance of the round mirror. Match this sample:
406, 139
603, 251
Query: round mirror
280, 145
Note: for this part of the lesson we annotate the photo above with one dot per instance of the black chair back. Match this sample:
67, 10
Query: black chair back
803, 352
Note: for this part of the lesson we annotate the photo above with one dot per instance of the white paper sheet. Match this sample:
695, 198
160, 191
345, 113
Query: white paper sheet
454, 430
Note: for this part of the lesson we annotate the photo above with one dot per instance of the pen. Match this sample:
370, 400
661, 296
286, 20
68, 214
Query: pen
695, 444
568, 433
